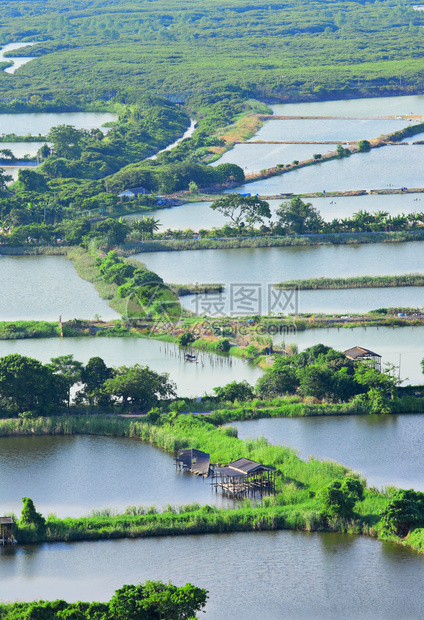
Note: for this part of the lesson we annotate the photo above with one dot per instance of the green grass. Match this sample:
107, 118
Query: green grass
410, 279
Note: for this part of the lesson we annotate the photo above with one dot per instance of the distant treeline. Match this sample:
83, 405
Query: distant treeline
103, 51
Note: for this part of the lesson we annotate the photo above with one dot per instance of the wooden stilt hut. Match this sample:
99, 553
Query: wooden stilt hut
359, 353
6, 530
244, 477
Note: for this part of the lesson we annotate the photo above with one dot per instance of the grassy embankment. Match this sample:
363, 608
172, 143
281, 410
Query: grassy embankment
173, 245
409, 279
294, 506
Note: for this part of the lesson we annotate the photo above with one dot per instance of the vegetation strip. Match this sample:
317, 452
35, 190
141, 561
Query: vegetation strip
411, 279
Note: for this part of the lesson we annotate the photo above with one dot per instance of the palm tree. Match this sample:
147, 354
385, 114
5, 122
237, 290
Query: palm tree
147, 225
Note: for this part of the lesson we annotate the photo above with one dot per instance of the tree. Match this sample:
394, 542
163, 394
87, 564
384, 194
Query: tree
93, 375
155, 600
69, 369
342, 151
139, 386
231, 172
339, 498
66, 141
404, 512
31, 181
317, 381
299, 217
27, 385
4, 180
30, 517
364, 146
278, 380
185, 339
43, 152
235, 391
147, 225
242, 210
114, 231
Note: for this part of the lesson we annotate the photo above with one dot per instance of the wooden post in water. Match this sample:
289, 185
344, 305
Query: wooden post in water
61, 326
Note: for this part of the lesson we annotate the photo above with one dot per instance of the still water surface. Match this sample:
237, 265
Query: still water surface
387, 450
191, 379
272, 265
389, 166
342, 301
376, 106
270, 575
41, 123
44, 287
321, 130
256, 157
72, 475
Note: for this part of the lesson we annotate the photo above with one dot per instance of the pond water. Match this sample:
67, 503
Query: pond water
344, 301
17, 62
20, 149
253, 575
389, 166
376, 106
192, 379
272, 265
256, 157
197, 215
13, 171
44, 287
72, 475
386, 449
404, 345
40, 123
323, 130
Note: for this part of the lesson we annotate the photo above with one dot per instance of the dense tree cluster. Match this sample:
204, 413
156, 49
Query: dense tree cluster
29, 388
151, 600
322, 373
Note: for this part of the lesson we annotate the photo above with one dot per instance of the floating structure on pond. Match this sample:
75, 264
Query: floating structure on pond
359, 353
244, 477
194, 461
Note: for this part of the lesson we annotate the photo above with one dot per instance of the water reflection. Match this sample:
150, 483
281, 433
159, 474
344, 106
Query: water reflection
273, 575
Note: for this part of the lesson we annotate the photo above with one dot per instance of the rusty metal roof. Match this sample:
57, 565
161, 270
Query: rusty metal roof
357, 352
7, 520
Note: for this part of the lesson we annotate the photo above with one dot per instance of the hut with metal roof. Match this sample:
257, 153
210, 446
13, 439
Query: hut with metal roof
359, 353
6, 530
244, 477
194, 461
